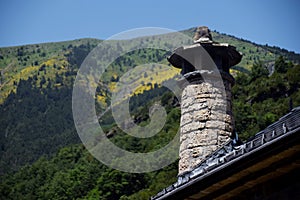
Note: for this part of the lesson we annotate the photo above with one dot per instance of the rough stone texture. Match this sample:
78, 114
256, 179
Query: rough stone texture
206, 121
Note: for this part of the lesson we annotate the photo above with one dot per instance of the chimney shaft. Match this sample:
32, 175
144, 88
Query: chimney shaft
206, 108
206, 119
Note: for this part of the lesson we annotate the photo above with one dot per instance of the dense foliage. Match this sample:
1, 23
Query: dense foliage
32, 120
73, 173
260, 99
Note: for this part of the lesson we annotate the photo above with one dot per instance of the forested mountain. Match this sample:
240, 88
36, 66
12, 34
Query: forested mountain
40, 152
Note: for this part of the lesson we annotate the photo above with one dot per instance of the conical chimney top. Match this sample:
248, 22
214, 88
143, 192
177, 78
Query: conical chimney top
202, 35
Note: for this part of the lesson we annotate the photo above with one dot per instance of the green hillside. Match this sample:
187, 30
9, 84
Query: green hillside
40, 152
22, 62
72, 173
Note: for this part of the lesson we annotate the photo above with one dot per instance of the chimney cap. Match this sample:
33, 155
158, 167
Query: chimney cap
202, 35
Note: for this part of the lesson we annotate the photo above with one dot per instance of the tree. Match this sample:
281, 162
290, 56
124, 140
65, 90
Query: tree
280, 65
145, 75
43, 81
259, 70
58, 78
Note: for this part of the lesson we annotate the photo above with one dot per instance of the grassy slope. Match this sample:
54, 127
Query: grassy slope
22, 62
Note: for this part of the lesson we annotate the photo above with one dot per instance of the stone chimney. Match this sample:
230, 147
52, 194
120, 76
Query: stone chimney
206, 108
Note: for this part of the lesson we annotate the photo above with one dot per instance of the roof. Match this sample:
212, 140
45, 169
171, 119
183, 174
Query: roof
231, 170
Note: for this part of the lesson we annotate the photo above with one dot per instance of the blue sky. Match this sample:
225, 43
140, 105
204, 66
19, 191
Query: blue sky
273, 22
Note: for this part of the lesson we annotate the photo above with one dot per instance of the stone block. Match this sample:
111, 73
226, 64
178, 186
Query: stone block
192, 126
186, 118
197, 152
197, 106
201, 115
214, 124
